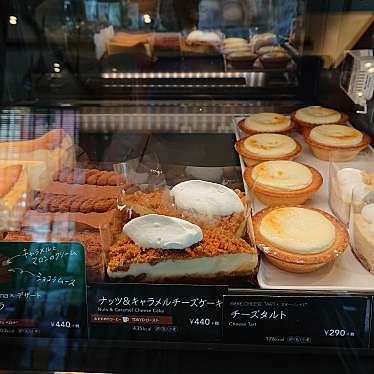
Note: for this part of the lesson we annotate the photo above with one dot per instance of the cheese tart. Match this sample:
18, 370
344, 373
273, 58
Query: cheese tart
299, 239
283, 182
266, 123
337, 142
265, 147
312, 116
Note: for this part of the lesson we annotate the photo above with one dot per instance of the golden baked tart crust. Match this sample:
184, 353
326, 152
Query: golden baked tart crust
253, 159
341, 153
248, 131
343, 119
300, 263
273, 197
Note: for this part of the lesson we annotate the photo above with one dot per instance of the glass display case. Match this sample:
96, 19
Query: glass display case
172, 177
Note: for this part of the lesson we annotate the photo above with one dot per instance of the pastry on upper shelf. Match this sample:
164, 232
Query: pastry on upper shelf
266, 123
283, 182
342, 183
158, 248
167, 44
299, 239
363, 235
41, 158
312, 116
14, 196
261, 40
275, 60
266, 147
206, 204
336, 142
202, 42
241, 59
229, 42
270, 49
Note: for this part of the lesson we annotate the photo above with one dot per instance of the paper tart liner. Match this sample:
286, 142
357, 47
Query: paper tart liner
302, 124
252, 159
248, 131
300, 263
275, 197
338, 154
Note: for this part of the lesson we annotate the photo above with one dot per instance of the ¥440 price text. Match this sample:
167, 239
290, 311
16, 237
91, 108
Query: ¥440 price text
65, 324
203, 322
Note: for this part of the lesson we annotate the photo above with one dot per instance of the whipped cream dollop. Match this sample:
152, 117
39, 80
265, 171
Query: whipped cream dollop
270, 145
336, 135
162, 232
349, 179
282, 174
317, 115
206, 198
368, 215
267, 122
298, 230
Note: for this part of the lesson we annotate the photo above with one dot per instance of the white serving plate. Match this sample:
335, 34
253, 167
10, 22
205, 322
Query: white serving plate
344, 274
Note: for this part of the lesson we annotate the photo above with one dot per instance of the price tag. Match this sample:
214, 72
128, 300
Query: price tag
318, 321
42, 290
159, 312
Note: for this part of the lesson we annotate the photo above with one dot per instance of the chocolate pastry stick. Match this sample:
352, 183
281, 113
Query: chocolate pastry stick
66, 203
103, 179
87, 206
75, 205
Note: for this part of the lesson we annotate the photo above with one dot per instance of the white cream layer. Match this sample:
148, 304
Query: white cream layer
162, 232
198, 267
336, 135
206, 198
317, 115
267, 122
270, 145
282, 174
298, 230
368, 213
349, 179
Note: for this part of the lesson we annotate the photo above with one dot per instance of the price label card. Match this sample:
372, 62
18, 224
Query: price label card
318, 321
42, 290
155, 312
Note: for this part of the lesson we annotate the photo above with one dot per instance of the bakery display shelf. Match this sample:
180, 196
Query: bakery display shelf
344, 274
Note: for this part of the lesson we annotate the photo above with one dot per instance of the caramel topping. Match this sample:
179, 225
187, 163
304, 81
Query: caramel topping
125, 252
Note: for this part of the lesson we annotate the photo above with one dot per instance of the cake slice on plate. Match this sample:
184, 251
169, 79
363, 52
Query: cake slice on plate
157, 248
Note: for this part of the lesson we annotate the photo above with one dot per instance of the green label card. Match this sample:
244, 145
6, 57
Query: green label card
42, 290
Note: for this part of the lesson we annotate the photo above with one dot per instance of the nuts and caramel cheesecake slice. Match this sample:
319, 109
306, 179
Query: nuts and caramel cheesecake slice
157, 248
206, 204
